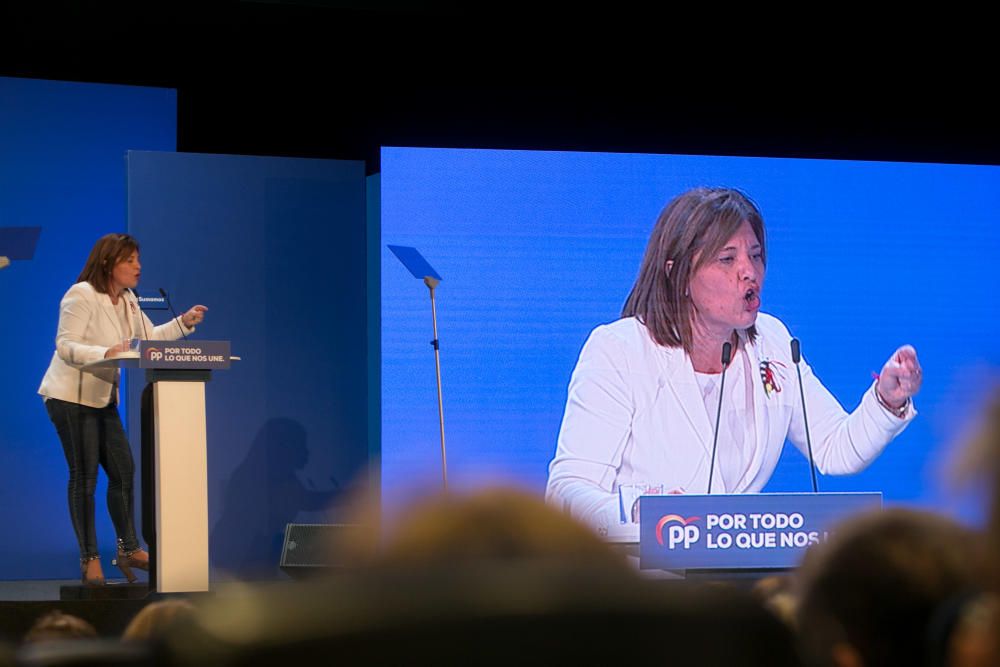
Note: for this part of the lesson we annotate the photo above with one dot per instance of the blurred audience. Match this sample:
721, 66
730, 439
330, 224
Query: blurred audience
493, 525
969, 640
981, 464
8, 654
776, 593
492, 577
157, 618
55, 625
887, 589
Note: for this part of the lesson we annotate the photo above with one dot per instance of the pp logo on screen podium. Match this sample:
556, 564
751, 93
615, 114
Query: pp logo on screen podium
754, 530
680, 532
154, 354
739, 530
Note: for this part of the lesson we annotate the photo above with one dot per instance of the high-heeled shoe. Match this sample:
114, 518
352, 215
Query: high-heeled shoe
126, 560
90, 572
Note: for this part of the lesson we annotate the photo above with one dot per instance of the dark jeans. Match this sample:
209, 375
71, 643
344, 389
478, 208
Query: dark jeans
92, 437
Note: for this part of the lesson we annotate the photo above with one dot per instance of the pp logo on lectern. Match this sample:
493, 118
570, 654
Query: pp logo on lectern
679, 531
154, 354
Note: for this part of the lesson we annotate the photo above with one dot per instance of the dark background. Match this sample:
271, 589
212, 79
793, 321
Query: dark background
268, 78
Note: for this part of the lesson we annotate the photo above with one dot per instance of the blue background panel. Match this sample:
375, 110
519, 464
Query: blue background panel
62, 151
275, 247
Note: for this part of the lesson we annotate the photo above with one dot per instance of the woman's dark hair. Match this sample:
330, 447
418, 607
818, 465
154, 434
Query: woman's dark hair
106, 253
692, 228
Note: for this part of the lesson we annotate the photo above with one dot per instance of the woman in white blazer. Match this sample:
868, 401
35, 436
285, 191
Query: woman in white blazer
97, 318
643, 398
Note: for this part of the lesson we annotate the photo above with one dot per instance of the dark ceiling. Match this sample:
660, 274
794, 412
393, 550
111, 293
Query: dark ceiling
327, 79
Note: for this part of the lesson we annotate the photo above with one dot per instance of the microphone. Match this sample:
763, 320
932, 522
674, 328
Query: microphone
173, 312
796, 358
727, 355
142, 320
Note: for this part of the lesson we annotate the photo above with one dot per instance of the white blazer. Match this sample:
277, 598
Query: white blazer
635, 414
88, 326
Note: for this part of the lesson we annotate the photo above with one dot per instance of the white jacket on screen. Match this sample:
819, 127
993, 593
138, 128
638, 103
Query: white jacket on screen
634, 415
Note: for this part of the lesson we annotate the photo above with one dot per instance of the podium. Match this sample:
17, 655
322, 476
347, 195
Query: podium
174, 456
732, 532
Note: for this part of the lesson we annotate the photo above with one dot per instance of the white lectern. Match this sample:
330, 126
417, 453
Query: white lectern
175, 457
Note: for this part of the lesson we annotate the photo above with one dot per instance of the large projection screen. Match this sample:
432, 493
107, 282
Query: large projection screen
537, 248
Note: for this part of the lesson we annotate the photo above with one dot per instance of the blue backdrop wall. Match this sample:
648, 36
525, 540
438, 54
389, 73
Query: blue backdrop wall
62, 151
538, 248
275, 248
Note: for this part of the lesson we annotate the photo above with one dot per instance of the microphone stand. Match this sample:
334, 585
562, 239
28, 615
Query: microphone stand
796, 358
432, 283
727, 355
173, 312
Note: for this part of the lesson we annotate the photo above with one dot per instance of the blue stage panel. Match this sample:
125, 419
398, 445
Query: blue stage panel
275, 247
62, 150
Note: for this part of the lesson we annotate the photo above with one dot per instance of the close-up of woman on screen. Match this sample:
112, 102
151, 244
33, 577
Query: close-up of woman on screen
644, 409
